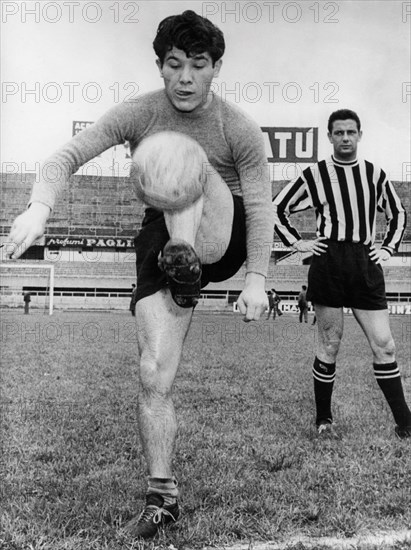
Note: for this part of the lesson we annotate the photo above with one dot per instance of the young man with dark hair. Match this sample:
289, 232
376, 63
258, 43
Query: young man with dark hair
200, 164
346, 271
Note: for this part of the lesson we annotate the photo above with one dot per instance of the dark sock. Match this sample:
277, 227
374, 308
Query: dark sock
324, 376
389, 380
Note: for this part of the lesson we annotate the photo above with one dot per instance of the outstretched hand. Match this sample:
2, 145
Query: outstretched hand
253, 300
26, 229
315, 246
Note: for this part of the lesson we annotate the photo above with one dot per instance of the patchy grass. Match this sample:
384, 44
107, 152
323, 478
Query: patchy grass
249, 464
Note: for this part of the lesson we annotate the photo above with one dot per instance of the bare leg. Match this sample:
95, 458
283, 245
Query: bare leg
184, 224
330, 322
376, 327
162, 327
206, 224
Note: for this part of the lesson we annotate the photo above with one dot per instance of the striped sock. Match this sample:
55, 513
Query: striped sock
324, 376
389, 380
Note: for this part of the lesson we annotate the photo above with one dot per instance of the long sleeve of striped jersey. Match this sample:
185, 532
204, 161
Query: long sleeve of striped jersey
295, 197
395, 215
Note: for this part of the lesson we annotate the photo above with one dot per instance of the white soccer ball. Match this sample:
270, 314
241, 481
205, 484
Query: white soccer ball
168, 170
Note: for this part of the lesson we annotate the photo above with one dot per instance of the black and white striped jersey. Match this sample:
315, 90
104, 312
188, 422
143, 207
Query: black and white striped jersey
346, 197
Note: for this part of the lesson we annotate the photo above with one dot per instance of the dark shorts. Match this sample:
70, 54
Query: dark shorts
154, 235
345, 276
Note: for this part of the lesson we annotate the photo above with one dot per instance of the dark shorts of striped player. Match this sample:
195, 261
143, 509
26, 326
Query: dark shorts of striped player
154, 235
345, 276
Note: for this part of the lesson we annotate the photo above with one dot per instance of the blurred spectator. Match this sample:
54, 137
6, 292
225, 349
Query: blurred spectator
27, 300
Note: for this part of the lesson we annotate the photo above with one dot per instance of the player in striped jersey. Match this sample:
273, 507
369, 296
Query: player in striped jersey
346, 271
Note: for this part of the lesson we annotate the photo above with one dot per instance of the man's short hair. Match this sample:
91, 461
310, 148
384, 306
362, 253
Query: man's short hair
190, 33
343, 114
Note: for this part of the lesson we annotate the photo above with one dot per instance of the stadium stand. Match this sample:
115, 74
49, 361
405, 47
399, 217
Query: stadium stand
106, 208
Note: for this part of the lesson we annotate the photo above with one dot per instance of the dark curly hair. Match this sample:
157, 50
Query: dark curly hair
343, 114
191, 33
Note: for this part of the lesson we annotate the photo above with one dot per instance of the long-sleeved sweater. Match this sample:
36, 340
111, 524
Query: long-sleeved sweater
232, 141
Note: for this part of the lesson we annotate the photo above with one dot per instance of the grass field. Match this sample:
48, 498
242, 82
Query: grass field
248, 460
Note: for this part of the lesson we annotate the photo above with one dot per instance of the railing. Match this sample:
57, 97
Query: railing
227, 296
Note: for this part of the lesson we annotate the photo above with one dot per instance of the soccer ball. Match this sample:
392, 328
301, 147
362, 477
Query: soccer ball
168, 170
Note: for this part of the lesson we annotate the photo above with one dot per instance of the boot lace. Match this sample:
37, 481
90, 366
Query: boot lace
154, 514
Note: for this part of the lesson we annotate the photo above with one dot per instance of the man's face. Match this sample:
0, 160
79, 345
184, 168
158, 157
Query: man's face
187, 80
345, 138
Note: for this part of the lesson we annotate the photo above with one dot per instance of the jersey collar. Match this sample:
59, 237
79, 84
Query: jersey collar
342, 163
